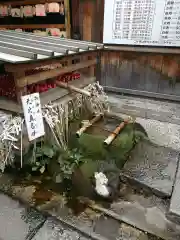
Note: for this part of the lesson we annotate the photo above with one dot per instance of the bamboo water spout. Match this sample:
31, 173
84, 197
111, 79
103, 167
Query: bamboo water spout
114, 134
90, 123
73, 88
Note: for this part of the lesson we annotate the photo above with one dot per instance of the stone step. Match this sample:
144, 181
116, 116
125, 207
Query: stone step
123, 220
152, 167
99, 226
54, 229
174, 209
161, 130
59, 223
18, 222
144, 212
136, 215
146, 108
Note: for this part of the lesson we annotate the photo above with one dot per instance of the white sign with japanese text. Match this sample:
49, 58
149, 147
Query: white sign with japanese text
33, 115
142, 22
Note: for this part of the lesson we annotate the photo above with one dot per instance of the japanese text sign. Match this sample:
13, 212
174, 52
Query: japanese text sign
33, 115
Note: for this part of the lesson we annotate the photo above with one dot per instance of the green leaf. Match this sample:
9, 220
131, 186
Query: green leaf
48, 151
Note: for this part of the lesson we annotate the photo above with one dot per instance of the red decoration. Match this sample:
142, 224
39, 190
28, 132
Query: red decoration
45, 86
8, 88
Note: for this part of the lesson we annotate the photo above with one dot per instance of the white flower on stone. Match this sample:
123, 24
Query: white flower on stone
101, 184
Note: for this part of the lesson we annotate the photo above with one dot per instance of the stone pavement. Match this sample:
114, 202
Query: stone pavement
19, 222
154, 168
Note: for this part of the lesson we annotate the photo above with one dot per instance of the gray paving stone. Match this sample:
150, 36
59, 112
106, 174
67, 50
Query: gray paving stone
107, 227
82, 221
54, 230
145, 212
127, 232
174, 209
152, 166
16, 221
162, 133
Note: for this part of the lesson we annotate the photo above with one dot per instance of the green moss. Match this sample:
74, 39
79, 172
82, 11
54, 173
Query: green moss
93, 146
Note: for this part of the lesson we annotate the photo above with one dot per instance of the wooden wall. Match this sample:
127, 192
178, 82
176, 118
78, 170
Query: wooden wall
142, 72
87, 17
131, 70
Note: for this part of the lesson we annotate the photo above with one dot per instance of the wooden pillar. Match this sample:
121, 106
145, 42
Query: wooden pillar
67, 18
88, 7
20, 91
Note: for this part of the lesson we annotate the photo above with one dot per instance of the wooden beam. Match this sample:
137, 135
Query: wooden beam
32, 26
22, 82
142, 49
10, 67
28, 2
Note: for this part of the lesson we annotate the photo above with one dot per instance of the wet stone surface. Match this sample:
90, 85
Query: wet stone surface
16, 221
6, 182
127, 232
146, 212
84, 221
54, 230
107, 227
152, 166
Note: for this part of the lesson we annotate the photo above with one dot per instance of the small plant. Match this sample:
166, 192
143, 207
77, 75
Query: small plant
68, 161
41, 156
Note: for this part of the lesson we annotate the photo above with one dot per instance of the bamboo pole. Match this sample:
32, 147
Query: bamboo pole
91, 122
113, 135
73, 88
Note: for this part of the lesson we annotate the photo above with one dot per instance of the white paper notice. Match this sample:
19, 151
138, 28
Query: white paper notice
33, 115
142, 22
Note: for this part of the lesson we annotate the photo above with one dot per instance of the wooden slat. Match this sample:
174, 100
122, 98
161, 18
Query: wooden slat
52, 73
28, 2
10, 67
32, 26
